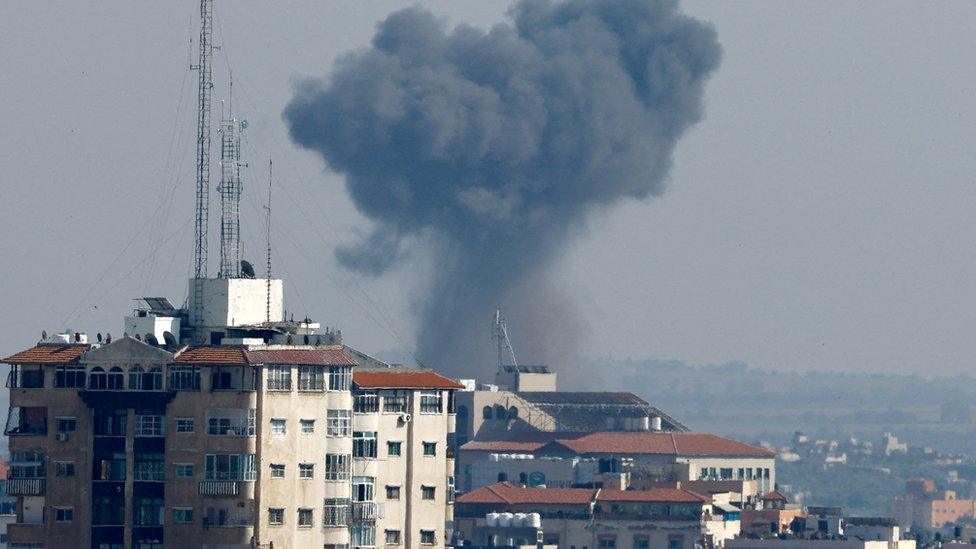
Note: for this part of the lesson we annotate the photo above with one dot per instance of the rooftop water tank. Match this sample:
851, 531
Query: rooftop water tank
505, 520
518, 520
534, 520
491, 520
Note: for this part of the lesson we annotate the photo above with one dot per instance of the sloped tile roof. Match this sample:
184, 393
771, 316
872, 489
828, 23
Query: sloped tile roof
508, 494
678, 444
325, 356
403, 379
775, 495
654, 495
523, 441
216, 356
67, 353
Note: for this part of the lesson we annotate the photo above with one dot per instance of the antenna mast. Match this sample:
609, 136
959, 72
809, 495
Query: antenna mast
268, 208
230, 190
204, 89
504, 345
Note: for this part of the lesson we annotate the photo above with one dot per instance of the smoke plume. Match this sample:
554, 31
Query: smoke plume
493, 147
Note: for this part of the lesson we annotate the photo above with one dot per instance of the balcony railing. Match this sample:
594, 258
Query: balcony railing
25, 487
367, 510
220, 488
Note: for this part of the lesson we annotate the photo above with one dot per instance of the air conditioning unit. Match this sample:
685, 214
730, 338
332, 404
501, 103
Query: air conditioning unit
62, 437
405, 418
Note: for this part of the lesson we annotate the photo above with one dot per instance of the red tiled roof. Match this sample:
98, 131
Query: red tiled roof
678, 444
335, 356
218, 356
66, 353
662, 495
506, 493
525, 441
403, 379
775, 495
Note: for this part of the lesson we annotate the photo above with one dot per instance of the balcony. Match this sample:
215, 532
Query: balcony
25, 379
220, 488
25, 487
367, 510
24, 420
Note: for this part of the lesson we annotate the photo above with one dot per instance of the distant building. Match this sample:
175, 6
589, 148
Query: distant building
924, 506
597, 518
773, 517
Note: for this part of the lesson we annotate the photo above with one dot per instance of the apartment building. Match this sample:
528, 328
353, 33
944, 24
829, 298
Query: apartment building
402, 466
128, 445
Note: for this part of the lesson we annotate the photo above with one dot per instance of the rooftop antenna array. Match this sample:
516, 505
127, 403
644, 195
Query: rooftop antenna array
230, 190
268, 208
499, 332
204, 89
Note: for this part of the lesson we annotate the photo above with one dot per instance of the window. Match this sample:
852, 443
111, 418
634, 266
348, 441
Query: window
311, 378
362, 535
185, 424
143, 380
116, 378
97, 378
336, 467
393, 448
183, 470
675, 542
363, 488
306, 470
148, 512
64, 468
335, 512
305, 518
64, 514
340, 378
231, 422
430, 448
67, 424
395, 401
364, 444
366, 403
336, 546
276, 515
69, 376
182, 515
184, 378
428, 537
279, 378
277, 426
233, 378
393, 492
642, 542
338, 423
450, 488
277, 470
393, 537
427, 492
607, 542
308, 426
149, 424
230, 467
431, 402
149, 467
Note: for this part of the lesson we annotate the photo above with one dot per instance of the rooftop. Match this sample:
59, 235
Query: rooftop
46, 353
623, 442
332, 355
509, 494
654, 495
400, 378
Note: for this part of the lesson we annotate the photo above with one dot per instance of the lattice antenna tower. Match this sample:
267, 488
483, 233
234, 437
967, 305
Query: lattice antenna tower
230, 190
204, 70
268, 208
499, 332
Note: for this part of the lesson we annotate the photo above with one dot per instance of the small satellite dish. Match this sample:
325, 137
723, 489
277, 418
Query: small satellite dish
151, 339
138, 337
170, 340
247, 270
243, 124
108, 338
43, 334
99, 336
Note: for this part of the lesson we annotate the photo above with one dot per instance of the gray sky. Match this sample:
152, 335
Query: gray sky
818, 218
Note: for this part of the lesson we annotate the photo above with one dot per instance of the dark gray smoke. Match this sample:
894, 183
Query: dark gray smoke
494, 147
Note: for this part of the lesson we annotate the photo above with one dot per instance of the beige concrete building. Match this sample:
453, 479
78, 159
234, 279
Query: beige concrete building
402, 467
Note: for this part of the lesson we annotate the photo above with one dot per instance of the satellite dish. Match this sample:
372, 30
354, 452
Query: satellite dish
170, 340
43, 334
151, 339
138, 337
247, 270
108, 338
99, 336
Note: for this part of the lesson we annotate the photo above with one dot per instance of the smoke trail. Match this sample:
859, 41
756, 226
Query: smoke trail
494, 146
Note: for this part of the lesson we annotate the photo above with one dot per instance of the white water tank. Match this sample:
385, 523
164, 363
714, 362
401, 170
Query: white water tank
656, 423
492, 457
505, 520
518, 520
491, 520
534, 520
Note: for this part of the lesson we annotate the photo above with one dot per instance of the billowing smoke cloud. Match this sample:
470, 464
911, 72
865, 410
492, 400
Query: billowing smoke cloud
493, 146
